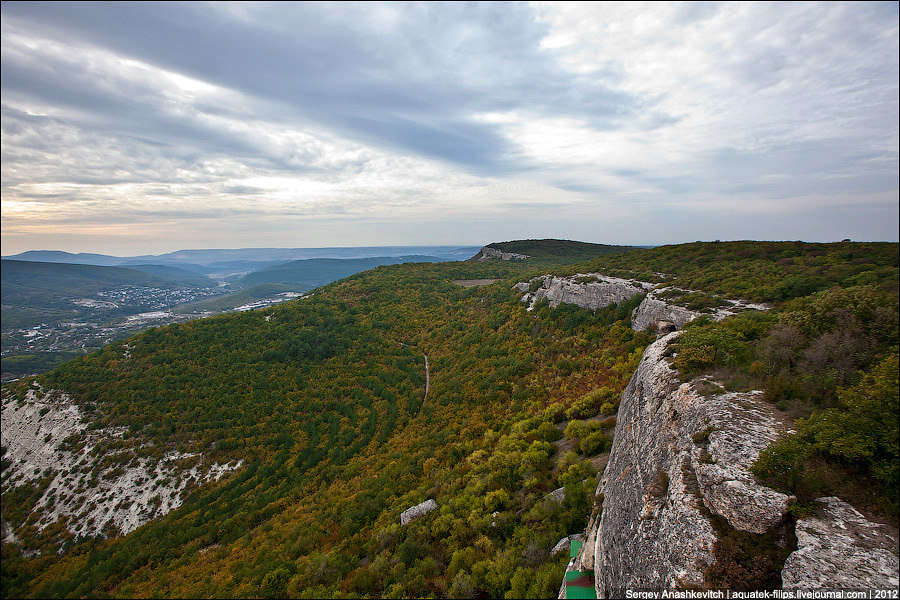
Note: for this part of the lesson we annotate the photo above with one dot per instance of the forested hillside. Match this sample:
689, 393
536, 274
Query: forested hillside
558, 252
304, 275
325, 402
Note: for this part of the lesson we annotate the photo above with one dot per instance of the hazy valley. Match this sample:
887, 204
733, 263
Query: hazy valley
57, 305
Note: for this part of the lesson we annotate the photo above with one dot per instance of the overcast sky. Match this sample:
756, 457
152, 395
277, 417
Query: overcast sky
132, 128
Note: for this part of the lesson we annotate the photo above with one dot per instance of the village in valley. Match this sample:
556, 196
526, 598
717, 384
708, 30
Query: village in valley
117, 314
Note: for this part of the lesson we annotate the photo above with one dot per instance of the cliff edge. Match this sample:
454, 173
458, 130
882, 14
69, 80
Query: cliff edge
677, 483
488, 253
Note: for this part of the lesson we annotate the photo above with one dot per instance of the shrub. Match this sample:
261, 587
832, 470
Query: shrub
548, 432
600, 400
702, 437
708, 346
576, 430
860, 436
595, 443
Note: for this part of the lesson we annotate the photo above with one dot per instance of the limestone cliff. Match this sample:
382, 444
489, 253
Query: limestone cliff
678, 457
663, 316
660, 316
488, 253
90, 478
678, 476
591, 290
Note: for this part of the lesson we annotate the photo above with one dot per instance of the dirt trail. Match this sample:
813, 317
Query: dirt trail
427, 378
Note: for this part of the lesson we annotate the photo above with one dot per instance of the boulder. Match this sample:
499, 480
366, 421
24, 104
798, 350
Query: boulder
591, 290
563, 544
417, 511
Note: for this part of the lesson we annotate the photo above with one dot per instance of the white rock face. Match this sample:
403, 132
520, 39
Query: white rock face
417, 511
841, 549
662, 317
488, 253
652, 312
557, 495
587, 290
97, 488
677, 456
743, 425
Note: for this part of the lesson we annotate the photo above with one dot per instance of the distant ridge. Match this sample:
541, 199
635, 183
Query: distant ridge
309, 273
58, 256
539, 251
213, 256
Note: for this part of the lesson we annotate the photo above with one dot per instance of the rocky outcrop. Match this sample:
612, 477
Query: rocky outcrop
95, 480
660, 316
678, 477
557, 495
488, 253
840, 549
417, 511
563, 544
591, 290
594, 291
678, 458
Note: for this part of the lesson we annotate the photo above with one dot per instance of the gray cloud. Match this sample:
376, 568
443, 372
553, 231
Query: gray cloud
412, 83
133, 112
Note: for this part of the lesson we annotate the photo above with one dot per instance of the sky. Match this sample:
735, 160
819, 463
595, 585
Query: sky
132, 128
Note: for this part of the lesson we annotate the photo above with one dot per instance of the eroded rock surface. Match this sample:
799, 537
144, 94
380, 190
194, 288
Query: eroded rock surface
590, 290
741, 425
488, 253
90, 478
678, 457
653, 313
840, 549
661, 316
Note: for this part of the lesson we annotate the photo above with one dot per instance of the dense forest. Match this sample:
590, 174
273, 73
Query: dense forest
327, 403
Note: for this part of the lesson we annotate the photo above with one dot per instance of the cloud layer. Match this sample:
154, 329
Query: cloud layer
134, 127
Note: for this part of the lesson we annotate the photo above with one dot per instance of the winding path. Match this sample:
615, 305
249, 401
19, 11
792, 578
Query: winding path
427, 379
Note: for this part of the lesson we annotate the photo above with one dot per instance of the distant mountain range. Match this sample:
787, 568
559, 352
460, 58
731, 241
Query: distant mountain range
310, 273
223, 257
55, 303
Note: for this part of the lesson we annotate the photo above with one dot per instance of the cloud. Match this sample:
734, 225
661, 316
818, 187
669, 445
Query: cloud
426, 114
406, 76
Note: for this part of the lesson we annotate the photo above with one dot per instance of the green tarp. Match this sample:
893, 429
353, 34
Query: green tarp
579, 584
